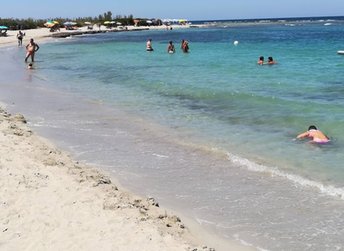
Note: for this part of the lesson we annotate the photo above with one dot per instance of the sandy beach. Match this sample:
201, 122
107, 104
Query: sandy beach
43, 34
51, 202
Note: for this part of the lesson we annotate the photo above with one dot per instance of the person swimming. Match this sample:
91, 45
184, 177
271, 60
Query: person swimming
260, 60
315, 135
271, 61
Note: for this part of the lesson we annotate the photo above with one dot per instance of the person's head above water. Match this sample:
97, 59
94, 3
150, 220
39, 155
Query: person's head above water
312, 127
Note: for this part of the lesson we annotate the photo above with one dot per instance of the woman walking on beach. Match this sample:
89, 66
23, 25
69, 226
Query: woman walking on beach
20, 36
31, 49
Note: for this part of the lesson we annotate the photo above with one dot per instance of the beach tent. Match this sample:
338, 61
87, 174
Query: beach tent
3, 31
69, 23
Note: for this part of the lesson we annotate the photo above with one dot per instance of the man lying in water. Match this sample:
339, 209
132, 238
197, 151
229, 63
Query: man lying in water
316, 135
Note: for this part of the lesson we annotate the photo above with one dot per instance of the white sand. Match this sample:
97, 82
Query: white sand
42, 34
50, 202
37, 34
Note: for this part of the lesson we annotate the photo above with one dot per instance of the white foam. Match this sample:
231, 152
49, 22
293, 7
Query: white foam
236, 237
159, 155
252, 166
202, 221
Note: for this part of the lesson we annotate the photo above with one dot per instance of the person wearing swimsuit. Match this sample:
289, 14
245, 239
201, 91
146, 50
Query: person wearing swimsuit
31, 49
315, 135
170, 48
260, 60
149, 45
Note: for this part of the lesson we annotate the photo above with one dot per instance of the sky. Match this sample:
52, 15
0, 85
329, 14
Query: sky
187, 9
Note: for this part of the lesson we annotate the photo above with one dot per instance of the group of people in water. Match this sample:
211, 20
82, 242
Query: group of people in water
170, 47
315, 135
261, 61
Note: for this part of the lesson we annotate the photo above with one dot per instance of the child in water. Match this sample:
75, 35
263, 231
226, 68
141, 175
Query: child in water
315, 135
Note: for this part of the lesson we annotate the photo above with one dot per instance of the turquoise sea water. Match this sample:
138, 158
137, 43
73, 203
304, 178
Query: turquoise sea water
219, 92
225, 124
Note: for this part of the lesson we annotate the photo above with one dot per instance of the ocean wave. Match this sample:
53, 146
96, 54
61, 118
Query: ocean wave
274, 171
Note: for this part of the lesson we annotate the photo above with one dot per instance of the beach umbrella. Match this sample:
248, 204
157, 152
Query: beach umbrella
118, 23
107, 22
149, 22
2, 27
50, 23
87, 23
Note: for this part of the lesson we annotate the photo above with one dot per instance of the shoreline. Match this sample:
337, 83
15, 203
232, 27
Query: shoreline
51, 201
46, 176
97, 134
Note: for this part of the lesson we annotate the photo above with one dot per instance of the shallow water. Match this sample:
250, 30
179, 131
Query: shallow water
208, 133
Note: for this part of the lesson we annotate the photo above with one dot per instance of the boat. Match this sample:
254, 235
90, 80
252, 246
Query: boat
340, 52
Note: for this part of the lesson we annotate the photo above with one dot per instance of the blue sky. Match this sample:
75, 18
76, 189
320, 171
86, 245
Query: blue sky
189, 9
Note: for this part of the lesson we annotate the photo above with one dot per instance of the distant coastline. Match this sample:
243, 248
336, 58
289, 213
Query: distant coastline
282, 20
275, 19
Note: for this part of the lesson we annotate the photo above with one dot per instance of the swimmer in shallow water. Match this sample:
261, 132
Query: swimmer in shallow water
271, 61
260, 60
315, 135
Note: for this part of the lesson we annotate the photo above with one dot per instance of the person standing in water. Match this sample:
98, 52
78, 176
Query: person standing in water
185, 46
149, 45
31, 49
315, 135
170, 47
